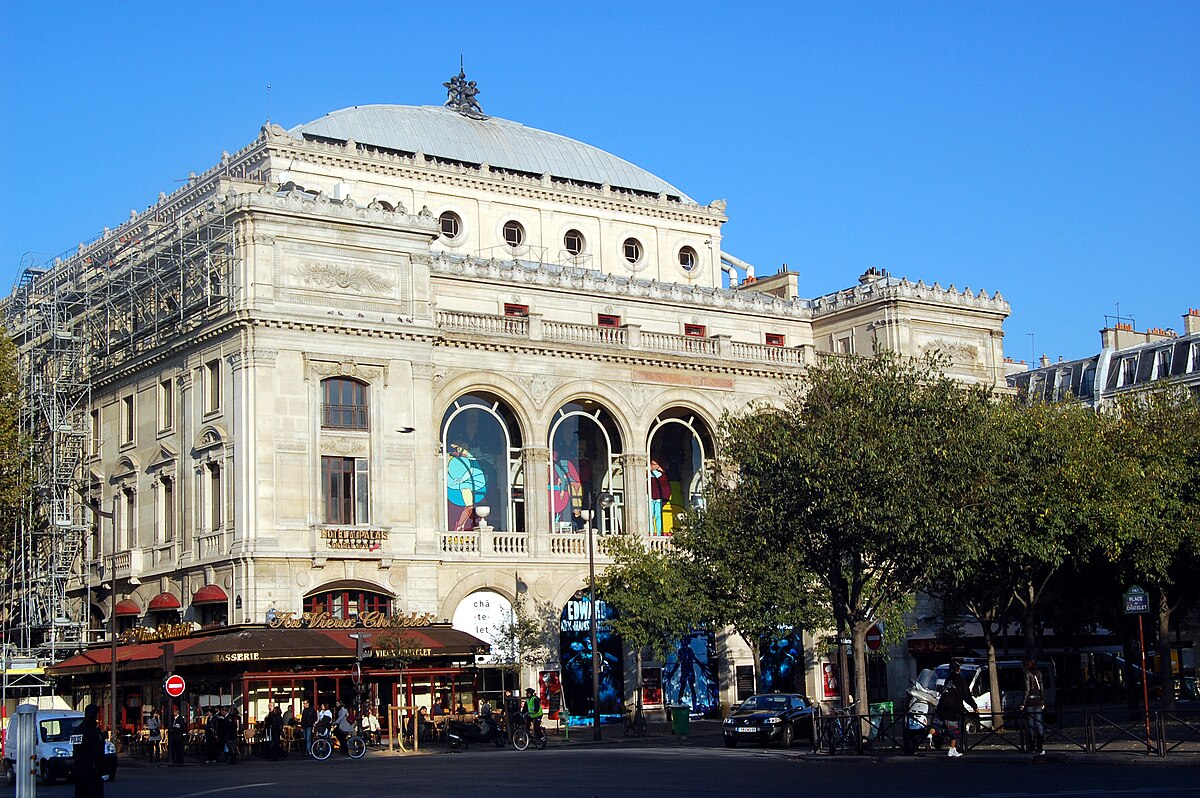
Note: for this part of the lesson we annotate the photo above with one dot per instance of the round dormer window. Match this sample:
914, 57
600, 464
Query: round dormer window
573, 242
688, 259
632, 249
514, 233
451, 225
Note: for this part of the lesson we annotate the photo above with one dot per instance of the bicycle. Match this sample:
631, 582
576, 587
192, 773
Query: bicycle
635, 722
322, 745
522, 736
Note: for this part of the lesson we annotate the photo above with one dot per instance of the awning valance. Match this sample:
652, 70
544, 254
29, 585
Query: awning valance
128, 607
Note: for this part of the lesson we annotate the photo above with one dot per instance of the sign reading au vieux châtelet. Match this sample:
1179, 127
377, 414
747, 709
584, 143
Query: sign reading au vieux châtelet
364, 620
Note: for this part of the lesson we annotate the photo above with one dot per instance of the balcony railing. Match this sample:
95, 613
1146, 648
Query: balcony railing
628, 337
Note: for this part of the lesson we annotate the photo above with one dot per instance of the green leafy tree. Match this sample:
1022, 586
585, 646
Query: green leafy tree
1157, 434
524, 637
656, 601
858, 485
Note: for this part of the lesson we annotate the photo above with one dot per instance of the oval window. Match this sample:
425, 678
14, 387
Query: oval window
514, 234
573, 242
451, 225
688, 258
632, 249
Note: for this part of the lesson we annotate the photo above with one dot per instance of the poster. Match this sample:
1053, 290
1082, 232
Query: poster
782, 663
652, 692
550, 693
831, 684
575, 652
690, 674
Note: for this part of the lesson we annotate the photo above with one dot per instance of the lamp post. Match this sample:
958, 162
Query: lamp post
605, 501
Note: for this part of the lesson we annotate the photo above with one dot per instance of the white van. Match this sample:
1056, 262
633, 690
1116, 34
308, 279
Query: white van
1012, 686
55, 747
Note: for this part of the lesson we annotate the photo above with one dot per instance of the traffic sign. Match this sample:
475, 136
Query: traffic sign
175, 685
874, 638
1137, 601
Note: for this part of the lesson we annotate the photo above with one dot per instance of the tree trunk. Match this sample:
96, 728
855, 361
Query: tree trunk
1030, 631
858, 643
1166, 675
639, 676
753, 646
989, 640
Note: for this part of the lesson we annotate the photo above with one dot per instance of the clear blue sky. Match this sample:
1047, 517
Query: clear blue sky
1050, 151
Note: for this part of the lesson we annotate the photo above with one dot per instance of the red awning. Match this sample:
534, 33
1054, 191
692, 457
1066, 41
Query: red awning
128, 607
164, 601
209, 594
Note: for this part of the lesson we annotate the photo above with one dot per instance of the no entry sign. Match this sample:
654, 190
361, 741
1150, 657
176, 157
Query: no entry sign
874, 637
175, 685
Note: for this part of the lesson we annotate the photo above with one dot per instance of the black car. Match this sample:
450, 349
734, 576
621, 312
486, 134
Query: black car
768, 718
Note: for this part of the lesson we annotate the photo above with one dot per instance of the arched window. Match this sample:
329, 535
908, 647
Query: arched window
481, 458
679, 445
347, 601
584, 445
343, 404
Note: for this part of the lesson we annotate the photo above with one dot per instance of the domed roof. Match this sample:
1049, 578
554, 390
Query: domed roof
445, 133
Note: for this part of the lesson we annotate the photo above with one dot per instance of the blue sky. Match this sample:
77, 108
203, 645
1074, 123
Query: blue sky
1050, 151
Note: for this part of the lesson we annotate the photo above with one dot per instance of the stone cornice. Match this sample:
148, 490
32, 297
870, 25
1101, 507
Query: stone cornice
903, 289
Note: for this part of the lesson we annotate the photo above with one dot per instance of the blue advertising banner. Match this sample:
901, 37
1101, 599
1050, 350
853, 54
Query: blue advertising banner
782, 663
575, 652
690, 674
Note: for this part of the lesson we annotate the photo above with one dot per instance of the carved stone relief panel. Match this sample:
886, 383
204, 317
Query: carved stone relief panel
329, 272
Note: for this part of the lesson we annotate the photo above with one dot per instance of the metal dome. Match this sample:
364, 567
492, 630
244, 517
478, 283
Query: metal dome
445, 133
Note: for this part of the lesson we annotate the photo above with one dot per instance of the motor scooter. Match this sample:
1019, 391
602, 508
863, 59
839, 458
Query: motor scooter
922, 728
485, 730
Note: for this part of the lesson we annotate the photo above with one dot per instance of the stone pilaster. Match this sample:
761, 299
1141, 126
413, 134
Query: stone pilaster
636, 511
536, 461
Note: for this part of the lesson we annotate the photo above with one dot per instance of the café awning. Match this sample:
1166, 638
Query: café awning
127, 607
210, 594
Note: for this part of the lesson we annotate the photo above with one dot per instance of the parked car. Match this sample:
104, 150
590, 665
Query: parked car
769, 718
55, 747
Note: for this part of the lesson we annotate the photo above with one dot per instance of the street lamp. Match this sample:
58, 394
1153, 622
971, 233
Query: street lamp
605, 501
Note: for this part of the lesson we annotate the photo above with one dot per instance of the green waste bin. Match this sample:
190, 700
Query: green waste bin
1189, 687
880, 713
681, 721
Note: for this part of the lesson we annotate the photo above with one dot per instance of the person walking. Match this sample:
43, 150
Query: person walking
213, 736
274, 733
176, 730
1034, 707
154, 735
89, 756
233, 732
308, 719
951, 705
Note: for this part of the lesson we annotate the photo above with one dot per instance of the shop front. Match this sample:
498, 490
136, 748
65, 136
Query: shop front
405, 661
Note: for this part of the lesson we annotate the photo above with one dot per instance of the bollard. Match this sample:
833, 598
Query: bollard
22, 735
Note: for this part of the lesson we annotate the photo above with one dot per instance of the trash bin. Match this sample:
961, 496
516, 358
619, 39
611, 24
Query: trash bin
1189, 687
681, 721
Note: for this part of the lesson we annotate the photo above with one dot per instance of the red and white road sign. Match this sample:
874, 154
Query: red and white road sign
874, 637
175, 685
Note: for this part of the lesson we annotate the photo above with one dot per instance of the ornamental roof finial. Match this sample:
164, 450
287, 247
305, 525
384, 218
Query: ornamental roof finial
461, 94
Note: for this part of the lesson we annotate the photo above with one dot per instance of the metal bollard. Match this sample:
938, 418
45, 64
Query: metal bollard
23, 731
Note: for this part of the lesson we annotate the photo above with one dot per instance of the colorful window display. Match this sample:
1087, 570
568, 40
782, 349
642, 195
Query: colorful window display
584, 445
575, 650
679, 445
690, 674
481, 447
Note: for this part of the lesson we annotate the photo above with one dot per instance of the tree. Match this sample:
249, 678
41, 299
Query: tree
1157, 433
857, 485
656, 602
522, 638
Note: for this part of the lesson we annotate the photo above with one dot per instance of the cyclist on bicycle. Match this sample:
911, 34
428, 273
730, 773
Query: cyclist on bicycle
342, 728
533, 711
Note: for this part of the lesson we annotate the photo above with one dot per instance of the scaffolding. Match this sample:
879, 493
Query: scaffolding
79, 323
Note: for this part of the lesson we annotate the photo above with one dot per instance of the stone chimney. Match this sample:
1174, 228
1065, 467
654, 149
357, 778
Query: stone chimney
1191, 321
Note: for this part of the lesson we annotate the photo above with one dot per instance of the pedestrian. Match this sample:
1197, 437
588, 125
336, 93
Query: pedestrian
154, 735
176, 730
951, 705
89, 756
1034, 707
369, 724
233, 731
213, 735
274, 732
308, 719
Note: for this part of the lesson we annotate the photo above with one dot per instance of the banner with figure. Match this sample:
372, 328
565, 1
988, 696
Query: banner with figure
575, 652
690, 674
782, 663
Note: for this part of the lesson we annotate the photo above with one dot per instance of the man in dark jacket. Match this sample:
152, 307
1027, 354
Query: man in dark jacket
176, 729
274, 724
950, 708
308, 719
89, 756
214, 738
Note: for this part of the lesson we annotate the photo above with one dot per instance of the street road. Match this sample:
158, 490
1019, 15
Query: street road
646, 770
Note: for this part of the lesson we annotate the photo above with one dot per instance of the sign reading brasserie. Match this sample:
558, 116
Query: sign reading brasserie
353, 538
364, 620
